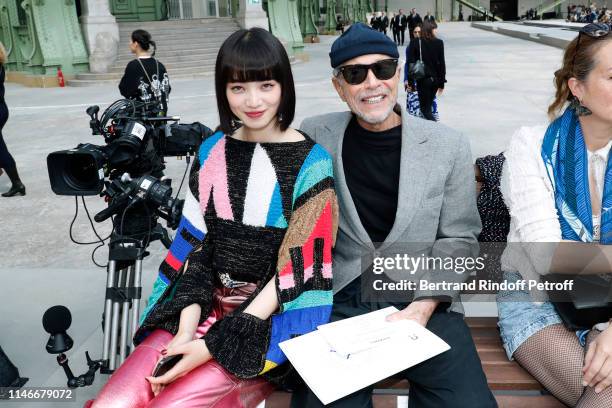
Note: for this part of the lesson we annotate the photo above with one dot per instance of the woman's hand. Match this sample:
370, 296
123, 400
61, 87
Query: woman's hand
597, 370
195, 353
180, 338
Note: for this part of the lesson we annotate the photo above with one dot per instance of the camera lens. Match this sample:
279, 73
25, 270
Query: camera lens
81, 172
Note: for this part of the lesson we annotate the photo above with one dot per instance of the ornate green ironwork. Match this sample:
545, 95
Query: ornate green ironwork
285, 24
42, 35
307, 20
330, 16
363, 7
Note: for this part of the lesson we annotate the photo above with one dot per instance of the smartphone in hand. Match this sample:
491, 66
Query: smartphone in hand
165, 364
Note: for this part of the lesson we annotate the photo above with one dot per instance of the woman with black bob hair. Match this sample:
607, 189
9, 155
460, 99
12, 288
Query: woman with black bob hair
145, 78
250, 265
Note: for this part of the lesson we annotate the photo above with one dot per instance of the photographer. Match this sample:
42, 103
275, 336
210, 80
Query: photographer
145, 78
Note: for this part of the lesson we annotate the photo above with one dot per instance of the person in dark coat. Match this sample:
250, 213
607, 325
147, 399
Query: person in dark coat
375, 21
431, 52
414, 19
384, 23
400, 22
6, 160
394, 29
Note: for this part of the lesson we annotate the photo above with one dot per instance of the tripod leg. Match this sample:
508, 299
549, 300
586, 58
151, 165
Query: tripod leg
136, 301
125, 315
115, 327
108, 303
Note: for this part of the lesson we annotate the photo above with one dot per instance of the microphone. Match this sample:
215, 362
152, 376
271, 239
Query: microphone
56, 321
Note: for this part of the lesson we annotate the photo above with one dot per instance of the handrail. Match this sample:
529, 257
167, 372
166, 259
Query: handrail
542, 8
480, 10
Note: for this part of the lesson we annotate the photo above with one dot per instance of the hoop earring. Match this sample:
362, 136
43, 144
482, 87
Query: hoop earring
580, 109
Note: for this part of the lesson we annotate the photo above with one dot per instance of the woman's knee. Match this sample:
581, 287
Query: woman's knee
211, 386
128, 387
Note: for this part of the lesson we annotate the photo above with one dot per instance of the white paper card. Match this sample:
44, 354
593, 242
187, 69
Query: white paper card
331, 375
364, 332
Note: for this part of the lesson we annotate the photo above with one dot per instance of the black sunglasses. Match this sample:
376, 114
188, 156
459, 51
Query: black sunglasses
356, 74
593, 30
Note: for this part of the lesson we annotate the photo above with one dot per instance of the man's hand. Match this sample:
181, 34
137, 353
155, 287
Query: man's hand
195, 353
597, 368
440, 91
419, 311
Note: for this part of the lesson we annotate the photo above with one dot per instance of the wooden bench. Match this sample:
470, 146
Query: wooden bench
512, 386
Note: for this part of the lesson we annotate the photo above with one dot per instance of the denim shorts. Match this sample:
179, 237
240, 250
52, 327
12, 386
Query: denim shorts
520, 317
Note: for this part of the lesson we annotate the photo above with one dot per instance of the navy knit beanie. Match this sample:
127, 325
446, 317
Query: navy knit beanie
359, 40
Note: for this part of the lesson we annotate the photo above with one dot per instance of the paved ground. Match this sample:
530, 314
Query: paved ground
495, 84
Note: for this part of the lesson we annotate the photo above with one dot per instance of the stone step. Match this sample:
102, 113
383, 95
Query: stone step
134, 25
181, 43
188, 48
98, 82
182, 35
175, 72
187, 45
171, 66
229, 27
176, 57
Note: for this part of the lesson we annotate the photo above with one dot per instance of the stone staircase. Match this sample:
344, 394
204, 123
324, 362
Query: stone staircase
187, 48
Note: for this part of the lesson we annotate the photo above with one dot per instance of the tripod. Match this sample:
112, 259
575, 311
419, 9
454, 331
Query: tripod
124, 291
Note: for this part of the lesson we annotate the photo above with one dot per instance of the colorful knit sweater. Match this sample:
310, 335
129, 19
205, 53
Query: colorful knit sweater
253, 212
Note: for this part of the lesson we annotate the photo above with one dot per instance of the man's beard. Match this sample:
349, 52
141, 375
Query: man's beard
370, 118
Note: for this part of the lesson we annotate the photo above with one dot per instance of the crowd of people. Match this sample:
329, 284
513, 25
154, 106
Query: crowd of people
399, 22
423, 48
277, 219
588, 14
531, 14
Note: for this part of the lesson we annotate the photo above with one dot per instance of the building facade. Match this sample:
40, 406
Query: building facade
79, 36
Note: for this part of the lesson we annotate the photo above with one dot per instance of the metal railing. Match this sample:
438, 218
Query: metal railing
481, 10
542, 8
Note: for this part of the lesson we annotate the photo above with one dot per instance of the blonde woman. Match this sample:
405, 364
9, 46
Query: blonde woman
6, 160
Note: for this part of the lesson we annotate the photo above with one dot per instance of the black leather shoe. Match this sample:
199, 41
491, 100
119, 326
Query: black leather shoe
16, 189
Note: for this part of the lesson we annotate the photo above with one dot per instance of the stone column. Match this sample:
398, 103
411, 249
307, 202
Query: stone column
250, 14
101, 34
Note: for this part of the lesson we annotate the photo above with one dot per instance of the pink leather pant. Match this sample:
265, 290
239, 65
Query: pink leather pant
209, 385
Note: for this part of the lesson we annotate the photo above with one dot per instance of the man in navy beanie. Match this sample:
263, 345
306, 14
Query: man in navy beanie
405, 186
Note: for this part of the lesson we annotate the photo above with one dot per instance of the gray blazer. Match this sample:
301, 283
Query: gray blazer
436, 200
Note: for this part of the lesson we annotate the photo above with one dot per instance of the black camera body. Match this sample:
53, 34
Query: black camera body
136, 141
